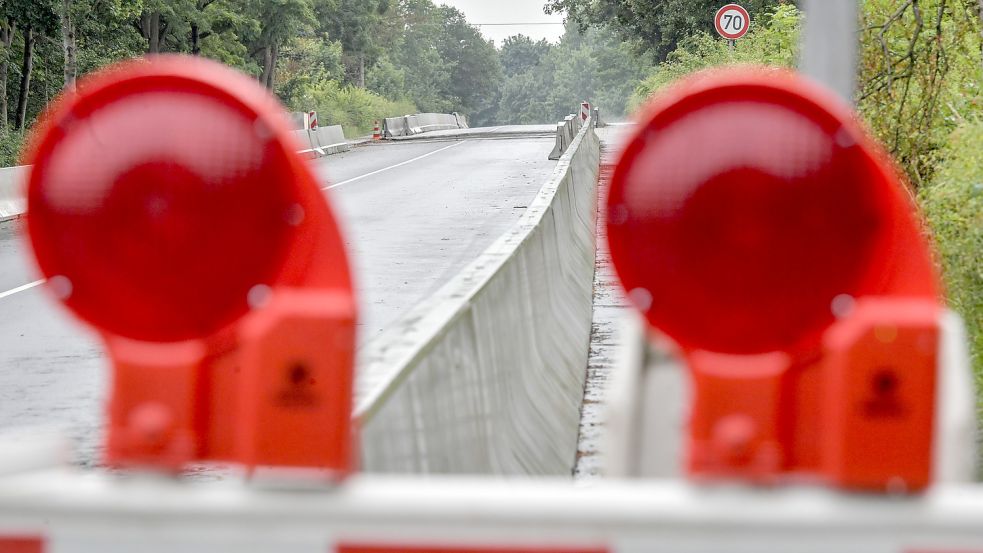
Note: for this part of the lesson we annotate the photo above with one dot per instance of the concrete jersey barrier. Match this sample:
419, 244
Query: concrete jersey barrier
409, 125
487, 375
12, 200
566, 130
324, 141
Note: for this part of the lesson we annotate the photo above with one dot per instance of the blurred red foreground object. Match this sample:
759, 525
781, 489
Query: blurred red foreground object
168, 211
754, 222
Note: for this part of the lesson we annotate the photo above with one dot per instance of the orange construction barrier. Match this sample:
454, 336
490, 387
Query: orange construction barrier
784, 258
206, 256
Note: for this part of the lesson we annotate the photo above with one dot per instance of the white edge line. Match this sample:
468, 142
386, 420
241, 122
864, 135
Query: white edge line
418, 158
27, 286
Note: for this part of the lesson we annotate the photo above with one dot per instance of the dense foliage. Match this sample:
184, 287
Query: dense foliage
953, 204
352, 60
544, 82
920, 76
773, 40
658, 26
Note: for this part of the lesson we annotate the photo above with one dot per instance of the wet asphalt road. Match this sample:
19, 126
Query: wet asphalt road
414, 213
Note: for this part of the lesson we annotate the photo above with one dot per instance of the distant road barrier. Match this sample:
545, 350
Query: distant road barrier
12, 201
316, 141
322, 142
487, 375
566, 130
409, 125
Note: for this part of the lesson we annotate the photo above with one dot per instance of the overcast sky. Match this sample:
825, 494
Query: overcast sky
509, 11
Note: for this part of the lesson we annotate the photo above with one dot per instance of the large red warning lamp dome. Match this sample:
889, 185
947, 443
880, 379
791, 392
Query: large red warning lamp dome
753, 221
167, 210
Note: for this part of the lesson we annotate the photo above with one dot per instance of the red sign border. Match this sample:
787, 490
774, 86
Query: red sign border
719, 14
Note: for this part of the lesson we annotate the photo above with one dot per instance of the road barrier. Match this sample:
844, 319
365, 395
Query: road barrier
816, 349
12, 202
322, 142
261, 311
487, 375
409, 125
314, 140
566, 130
62, 511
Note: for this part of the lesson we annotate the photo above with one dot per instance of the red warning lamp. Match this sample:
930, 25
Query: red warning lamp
168, 211
753, 221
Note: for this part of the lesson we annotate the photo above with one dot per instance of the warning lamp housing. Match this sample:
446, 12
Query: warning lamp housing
753, 222
168, 211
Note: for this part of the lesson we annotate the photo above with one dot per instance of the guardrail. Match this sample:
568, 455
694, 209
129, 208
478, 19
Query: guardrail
487, 376
409, 125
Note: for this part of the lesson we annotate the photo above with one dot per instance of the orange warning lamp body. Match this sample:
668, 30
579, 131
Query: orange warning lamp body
168, 210
754, 223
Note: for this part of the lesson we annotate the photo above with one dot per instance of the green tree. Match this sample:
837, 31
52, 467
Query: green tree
475, 70
593, 65
357, 25
520, 53
165, 24
36, 19
278, 22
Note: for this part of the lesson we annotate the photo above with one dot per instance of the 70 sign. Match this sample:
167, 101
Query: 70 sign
732, 21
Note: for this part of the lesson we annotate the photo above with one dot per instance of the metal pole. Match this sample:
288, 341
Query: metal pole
829, 44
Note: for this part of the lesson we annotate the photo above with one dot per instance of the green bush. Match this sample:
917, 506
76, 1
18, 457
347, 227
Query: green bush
953, 204
356, 109
11, 144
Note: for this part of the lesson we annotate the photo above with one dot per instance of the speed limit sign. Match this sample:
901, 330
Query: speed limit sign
732, 21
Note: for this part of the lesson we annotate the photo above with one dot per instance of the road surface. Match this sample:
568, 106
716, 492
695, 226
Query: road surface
414, 214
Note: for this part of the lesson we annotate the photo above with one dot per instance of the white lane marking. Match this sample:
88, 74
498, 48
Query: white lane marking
27, 286
418, 158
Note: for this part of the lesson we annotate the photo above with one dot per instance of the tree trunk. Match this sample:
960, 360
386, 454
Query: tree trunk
266, 78
275, 57
361, 69
25, 79
195, 40
150, 25
7, 37
68, 44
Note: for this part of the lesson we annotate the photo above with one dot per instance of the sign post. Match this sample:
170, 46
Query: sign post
732, 22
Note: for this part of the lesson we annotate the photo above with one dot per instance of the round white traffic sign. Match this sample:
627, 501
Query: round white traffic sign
732, 21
